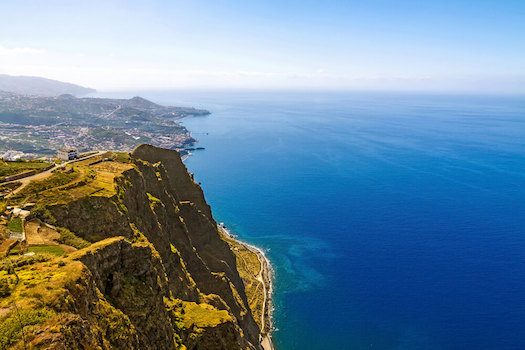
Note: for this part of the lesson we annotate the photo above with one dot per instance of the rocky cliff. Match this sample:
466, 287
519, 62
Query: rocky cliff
158, 274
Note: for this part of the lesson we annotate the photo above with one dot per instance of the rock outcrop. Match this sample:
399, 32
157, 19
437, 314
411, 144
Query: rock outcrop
158, 274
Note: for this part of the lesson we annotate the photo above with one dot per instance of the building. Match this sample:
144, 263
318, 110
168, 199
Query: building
67, 154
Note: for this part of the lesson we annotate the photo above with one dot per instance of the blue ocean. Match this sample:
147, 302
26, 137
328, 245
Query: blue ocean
392, 221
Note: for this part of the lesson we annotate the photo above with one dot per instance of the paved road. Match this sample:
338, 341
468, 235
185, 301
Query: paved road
45, 174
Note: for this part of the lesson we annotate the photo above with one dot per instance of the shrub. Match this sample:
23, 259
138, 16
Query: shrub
11, 262
11, 325
5, 290
69, 238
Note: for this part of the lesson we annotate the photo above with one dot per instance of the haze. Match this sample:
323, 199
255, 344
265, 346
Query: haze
469, 46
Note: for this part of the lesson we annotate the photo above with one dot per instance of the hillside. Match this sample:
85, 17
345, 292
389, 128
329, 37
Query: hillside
126, 254
40, 86
41, 125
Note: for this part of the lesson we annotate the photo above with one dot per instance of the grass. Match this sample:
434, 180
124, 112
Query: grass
37, 287
39, 280
87, 179
22, 260
249, 266
188, 314
69, 238
202, 315
122, 157
12, 324
8, 187
152, 198
15, 225
56, 180
50, 249
12, 168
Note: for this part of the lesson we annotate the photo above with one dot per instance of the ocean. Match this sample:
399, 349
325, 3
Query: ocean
392, 221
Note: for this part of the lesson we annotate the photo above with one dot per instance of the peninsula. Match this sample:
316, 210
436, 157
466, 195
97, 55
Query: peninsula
38, 126
120, 250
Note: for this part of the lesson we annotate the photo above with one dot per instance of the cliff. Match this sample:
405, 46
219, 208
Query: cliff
156, 272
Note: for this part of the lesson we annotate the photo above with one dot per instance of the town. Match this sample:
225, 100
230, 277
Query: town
35, 127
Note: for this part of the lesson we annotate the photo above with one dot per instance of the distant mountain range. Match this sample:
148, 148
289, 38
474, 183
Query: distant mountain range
40, 86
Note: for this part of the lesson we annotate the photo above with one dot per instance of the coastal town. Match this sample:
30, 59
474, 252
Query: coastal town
36, 126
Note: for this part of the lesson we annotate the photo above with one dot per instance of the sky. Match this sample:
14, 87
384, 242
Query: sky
447, 45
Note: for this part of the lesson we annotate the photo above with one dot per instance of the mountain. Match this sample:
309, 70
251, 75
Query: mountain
40, 86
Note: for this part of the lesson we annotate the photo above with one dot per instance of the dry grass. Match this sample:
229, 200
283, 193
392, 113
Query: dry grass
91, 177
249, 267
203, 315
37, 234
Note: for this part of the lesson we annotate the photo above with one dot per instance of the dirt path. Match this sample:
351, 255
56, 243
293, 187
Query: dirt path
45, 174
264, 277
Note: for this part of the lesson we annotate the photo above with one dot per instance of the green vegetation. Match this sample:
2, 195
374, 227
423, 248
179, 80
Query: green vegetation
42, 212
50, 249
12, 324
57, 179
51, 286
69, 238
249, 267
5, 289
122, 157
12, 262
15, 225
153, 199
8, 187
16, 167
202, 315
190, 315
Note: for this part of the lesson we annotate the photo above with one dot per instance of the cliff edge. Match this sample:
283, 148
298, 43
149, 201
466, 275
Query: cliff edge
142, 263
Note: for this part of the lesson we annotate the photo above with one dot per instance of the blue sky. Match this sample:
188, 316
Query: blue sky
358, 45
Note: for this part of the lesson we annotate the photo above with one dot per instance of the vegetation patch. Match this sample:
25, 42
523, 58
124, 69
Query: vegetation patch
50, 249
12, 262
153, 199
15, 225
69, 238
56, 180
187, 314
19, 166
13, 323
122, 157
249, 267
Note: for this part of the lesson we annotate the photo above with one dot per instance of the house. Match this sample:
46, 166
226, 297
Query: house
67, 154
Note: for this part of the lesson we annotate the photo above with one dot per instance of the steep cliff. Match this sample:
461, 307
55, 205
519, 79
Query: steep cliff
158, 274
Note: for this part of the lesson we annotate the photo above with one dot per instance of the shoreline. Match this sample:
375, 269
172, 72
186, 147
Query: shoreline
265, 276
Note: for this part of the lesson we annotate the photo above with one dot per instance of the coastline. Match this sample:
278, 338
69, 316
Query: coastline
265, 276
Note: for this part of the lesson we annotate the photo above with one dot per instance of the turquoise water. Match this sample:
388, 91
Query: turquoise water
392, 221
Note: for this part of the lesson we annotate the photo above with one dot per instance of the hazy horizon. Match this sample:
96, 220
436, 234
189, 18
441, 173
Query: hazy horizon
468, 46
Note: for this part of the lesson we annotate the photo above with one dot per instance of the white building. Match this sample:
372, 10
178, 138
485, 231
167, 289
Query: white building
67, 154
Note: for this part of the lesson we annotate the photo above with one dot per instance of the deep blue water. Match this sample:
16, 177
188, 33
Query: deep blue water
393, 221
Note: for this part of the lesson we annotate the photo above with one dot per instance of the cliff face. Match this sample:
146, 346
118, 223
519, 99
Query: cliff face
158, 274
